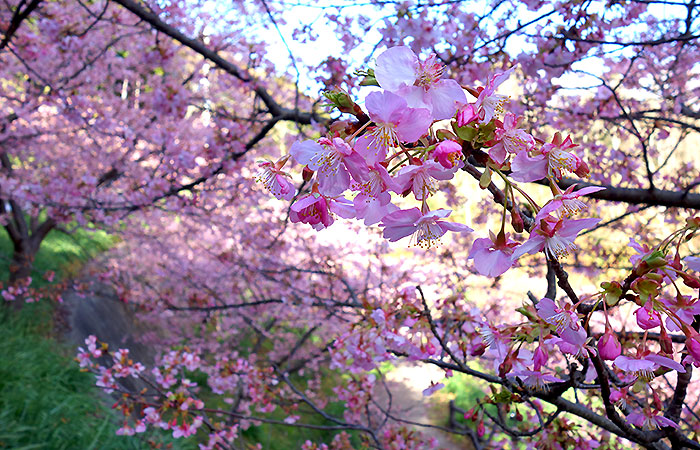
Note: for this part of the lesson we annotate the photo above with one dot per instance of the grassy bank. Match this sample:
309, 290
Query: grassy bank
45, 401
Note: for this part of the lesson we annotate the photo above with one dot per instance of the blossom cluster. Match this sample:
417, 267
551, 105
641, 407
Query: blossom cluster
419, 130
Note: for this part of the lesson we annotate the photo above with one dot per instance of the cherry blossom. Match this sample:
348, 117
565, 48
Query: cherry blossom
425, 229
420, 83
493, 256
555, 236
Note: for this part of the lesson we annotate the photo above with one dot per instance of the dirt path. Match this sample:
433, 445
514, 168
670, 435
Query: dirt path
406, 383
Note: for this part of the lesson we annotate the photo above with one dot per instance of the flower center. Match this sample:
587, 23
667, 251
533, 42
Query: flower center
559, 247
429, 72
560, 160
426, 235
385, 135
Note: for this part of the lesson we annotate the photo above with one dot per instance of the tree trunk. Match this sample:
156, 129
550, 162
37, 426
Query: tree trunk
21, 264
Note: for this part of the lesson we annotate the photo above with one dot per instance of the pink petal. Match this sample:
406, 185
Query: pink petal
396, 67
446, 96
384, 107
666, 362
527, 169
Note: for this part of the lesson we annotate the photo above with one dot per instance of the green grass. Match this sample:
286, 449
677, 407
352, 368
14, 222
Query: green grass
60, 252
46, 402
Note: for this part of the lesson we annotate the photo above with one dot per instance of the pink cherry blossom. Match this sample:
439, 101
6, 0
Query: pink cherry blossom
334, 160
421, 178
315, 209
394, 120
649, 420
684, 307
555, 236
609, 347
561, 318
448, 154
510, 139
551, 160
692, 262
488, 104
374, 200
425, 229
399, 71
535, 379
493, 256
645, 366
647, 318
276, 181
566, 204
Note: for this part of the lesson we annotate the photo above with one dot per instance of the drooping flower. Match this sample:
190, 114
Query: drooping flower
609, 347
566, 204
555, 236
426, 229
561, 318
535, 379
684, 308
374, 201
643, 366
493, 256
649, 420
334, 160
315, 209
647, 318
421, 178
420, 83
275, 180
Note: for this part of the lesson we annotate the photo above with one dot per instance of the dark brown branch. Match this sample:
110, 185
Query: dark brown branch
17, 18
273, 107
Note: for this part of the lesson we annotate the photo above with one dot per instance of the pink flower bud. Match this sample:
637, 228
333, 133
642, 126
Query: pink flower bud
647, 318
693, 346
608, 346
481, 429
540, 358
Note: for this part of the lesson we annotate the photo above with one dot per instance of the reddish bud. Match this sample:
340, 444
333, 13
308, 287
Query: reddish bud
540, 358
689, 280
516, 220
665, 341
505, 367
470, 415
481, 429
582, 170
307, 174
478, 349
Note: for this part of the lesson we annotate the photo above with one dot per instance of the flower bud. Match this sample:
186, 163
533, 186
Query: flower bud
693, 346
517, 220
307, 174
647, 318
481, 429
665, 341
540, 358
608, 346
689, 280
478, 349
